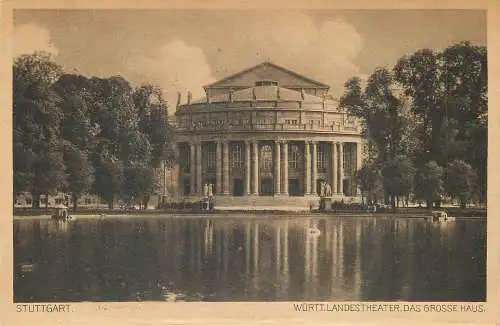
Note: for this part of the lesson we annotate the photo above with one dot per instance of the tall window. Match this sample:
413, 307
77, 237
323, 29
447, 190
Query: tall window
211, 158
186, 158
294, 157
237, 156
321, 159
267, 158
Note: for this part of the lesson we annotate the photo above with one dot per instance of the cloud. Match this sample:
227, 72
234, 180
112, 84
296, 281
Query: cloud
176, 67
324, 51
28, 38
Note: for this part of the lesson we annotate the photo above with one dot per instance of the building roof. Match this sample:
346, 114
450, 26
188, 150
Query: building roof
266, 71
262, 93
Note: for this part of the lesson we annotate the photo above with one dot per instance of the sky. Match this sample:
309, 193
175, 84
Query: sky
182, 50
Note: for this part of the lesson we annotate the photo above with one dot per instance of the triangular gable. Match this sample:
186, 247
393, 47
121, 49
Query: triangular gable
266, 71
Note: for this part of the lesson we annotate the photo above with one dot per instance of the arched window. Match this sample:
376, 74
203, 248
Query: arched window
294, 157
266, 157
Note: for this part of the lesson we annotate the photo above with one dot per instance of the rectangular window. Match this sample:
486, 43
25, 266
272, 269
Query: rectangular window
321, 161
88, 201
211, 160
293, 159
186, 159
237, 156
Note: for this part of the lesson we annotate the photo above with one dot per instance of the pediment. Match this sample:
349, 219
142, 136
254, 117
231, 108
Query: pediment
267, 71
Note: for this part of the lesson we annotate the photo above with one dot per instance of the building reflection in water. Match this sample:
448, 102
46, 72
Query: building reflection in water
357, 262
352, 259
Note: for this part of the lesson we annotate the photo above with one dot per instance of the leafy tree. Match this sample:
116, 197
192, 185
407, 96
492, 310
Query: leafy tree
386, 124
429, 183
398, 177
138, 184
80, 172
108, 177
38, 165
459, 179
153, 122
370, 181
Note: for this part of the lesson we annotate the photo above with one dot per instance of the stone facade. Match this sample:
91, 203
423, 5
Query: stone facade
266, 131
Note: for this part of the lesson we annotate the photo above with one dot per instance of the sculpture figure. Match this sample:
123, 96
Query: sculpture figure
205, 190
328, 190
210, 190
322, 189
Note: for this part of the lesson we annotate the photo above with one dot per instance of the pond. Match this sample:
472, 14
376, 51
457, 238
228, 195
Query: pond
242, 258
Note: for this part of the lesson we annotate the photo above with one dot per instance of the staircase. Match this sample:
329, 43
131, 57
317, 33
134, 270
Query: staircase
282, 203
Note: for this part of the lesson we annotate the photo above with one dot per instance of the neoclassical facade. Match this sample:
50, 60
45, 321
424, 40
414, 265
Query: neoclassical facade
266, 131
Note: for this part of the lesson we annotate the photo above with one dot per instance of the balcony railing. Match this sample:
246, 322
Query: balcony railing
271, 127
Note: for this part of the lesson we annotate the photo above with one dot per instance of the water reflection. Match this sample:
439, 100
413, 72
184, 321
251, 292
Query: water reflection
249, 259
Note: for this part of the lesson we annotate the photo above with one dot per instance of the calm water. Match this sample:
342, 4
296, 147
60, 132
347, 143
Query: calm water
241, 259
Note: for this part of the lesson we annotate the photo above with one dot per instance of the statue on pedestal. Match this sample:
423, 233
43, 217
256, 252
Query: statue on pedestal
210, 190
322, 189
205, 190
328, 190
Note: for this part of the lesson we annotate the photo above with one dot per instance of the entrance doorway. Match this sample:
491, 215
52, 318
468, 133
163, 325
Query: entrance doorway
238, 187
294, 187
186, 187
266, 187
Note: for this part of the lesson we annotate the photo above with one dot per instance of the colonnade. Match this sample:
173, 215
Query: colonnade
251, 167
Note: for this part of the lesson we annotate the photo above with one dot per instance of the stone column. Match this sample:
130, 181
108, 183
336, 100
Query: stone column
225, 168
307, 168
255, 189
192, 170
218, 168
284, 187
247, 168
341, 168
199, 186
333, 148
314, 168
277, 168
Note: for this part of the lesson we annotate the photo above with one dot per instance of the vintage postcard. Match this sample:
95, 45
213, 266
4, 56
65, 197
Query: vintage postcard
249, 163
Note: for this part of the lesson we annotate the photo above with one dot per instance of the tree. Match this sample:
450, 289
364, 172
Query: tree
153, 122
429, 183
459, 179
80, 172
108, 177
386, 123
398, 178
49, 172
38, 164
138, 184
370, 181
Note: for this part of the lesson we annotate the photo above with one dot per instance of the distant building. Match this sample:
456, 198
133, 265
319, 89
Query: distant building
266, 131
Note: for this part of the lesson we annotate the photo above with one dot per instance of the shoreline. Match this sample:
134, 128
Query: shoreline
471, 213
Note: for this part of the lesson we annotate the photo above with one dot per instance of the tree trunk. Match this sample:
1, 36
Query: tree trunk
463, 204
74, 198
429, 203
145, 201
35, 200
110, 204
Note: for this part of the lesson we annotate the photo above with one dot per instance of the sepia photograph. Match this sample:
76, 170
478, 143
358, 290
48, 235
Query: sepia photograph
264, 155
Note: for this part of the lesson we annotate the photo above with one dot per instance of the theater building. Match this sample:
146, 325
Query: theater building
266, 132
